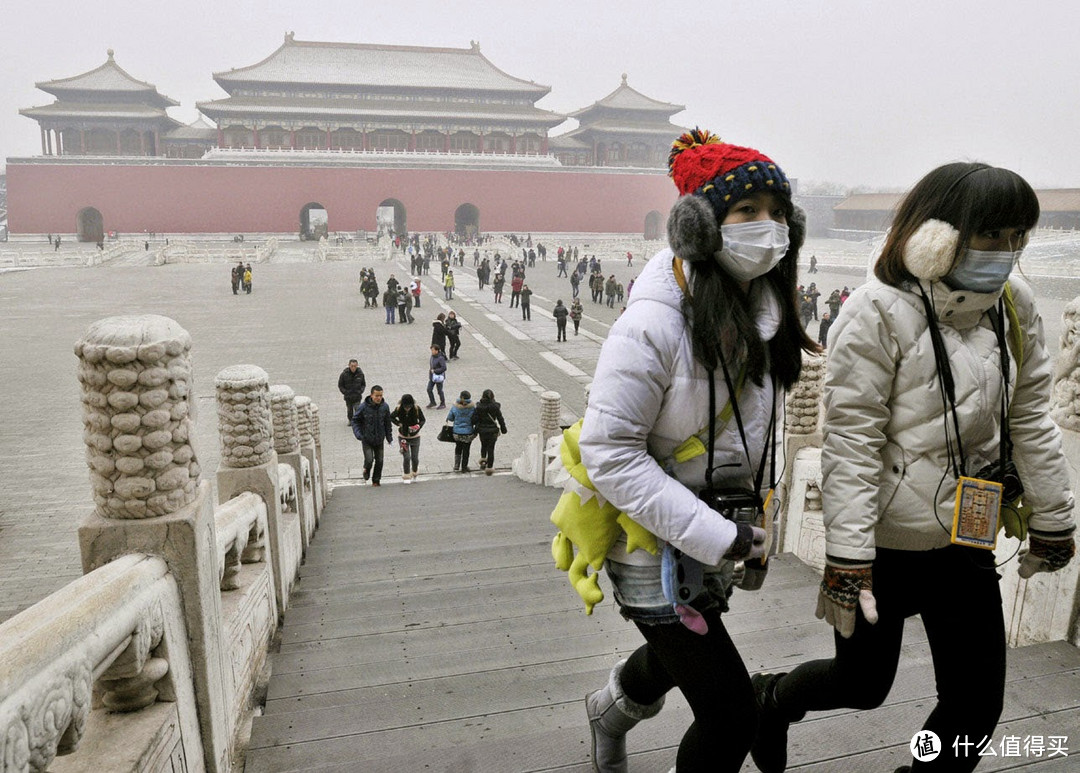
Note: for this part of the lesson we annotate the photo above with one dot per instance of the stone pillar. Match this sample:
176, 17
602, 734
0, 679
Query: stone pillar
802, 431
249, 462
316, 433
307, 449
137, 413
550, 413
287, 445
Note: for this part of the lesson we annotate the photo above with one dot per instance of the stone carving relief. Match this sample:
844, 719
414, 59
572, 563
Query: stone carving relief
1065, 398
136, 391
244, 418
286, 430
804, 399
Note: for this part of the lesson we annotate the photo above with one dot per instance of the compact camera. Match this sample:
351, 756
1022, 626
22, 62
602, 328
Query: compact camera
740, 505
1011, 486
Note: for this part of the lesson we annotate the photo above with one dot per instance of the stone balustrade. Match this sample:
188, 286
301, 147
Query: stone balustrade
111, 641
153, 657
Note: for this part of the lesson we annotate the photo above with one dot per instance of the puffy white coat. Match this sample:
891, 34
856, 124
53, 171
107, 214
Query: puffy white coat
649, 395
887, 480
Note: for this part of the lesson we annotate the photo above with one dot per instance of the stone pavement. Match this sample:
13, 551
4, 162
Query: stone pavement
302, 323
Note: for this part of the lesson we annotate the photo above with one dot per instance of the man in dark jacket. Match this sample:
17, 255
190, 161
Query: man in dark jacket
371, 425
351, 385
560, 313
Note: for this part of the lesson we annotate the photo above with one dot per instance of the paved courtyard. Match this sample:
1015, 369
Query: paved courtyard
302, 323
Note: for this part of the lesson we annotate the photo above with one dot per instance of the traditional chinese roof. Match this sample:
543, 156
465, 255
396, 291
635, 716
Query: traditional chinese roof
615, 126
625, 98
379, 67
1050, 200
566, 142
196, 130
110, 80
85, 110
375, 110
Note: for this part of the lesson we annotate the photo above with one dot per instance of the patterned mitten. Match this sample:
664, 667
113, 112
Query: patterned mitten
841, 587
1046, 552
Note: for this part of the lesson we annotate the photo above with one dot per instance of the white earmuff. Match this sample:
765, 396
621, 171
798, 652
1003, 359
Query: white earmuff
931, 250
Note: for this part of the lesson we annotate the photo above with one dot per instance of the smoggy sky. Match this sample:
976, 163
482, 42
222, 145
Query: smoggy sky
858, 92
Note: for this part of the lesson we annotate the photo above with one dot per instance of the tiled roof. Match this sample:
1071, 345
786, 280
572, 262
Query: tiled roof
626, 98
1050, 200
109, 77
86, 110
614, 126
370, 109
362, 64
566, 142
196, 130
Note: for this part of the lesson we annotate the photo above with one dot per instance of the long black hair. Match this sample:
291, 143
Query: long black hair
721, 317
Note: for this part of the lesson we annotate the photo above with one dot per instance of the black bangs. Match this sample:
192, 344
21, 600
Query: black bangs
996, 198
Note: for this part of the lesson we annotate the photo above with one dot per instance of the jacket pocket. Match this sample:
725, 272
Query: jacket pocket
893, 468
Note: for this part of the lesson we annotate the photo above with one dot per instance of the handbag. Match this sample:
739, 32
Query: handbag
438, 378
446, 434
403, 445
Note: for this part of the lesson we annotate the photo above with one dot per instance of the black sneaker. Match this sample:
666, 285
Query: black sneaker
367, 473
769, 750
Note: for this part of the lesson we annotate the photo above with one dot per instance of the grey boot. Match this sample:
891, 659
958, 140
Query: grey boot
611, 715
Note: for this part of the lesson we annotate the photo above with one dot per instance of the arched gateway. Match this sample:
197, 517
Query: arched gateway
652, 226
467, 220
314, 221
400, 222
90, 225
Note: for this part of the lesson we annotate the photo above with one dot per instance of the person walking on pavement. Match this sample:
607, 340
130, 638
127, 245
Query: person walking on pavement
488, 422
438, 332
526, 294
497, 287
823, 329
453, 334
389, 302
515, 289
351, 385
833, 302
409, 419
560, 313
371, 426
610, 288
461, 414
448, 285
247, 279
575, 313
436, 376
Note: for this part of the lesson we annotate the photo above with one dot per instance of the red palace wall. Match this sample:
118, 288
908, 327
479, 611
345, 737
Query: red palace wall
176, 198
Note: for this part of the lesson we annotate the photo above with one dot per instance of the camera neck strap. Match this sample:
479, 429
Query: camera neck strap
948, 385
768, 452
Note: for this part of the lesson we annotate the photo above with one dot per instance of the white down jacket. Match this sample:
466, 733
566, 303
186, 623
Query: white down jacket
649, 395
887, 480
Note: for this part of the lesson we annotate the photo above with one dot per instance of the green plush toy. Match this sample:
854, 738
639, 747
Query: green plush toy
588, 524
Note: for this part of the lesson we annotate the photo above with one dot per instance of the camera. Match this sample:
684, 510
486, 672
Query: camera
1011, 486
743, 506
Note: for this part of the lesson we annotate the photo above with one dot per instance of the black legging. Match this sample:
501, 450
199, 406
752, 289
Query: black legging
955, 591
711, 675
487, 448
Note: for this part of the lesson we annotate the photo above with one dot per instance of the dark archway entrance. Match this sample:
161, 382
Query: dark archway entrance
314, 221
467, 220
652, 226
400, 224
90, 226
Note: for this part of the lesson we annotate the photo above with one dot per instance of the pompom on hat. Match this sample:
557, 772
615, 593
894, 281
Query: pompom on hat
711, 176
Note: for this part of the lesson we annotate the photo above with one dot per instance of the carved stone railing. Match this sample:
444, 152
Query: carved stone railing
112, 641
179, 603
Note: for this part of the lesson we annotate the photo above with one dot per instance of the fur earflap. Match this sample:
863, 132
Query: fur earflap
693, 232
931, 250
796, 224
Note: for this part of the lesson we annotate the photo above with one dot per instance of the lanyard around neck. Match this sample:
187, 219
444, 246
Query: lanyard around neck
768, 452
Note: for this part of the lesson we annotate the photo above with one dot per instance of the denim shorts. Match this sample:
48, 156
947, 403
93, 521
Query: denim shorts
640, 595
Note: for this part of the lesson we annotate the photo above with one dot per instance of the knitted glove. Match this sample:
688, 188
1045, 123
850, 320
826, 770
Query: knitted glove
1046, 552
842, 586
749, 543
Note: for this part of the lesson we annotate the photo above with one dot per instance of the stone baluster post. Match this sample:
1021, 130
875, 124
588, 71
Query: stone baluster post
287, 445
304, 419
316, 433
136, 379
249, 462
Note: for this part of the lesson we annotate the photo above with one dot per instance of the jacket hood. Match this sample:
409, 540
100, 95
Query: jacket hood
464, 404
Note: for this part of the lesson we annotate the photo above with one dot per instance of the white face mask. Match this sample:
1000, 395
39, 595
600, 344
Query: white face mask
751, 249
982, 271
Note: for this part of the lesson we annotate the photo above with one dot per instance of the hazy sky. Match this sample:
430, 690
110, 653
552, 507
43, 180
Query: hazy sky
858, 92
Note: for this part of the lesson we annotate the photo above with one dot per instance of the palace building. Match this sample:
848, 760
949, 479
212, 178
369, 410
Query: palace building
441, 134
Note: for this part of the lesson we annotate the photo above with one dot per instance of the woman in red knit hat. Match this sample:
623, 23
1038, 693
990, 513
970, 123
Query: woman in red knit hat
683, 421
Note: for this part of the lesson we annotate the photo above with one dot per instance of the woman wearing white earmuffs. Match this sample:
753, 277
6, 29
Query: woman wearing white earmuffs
938, 378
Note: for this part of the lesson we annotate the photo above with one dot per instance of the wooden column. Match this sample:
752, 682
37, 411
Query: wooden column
329, 144
255, 135
544, 145
363, 134
292, 139
44, 148
481, 146
220, 137
118, 150
142, 142
82, 141
513, 143
412, 140
157, 144
446, 142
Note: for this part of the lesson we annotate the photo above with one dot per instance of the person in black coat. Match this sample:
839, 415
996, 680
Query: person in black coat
560, 313
823, 329
438, 332
371, 425
409, 419
488, 422
453, 334
351, 385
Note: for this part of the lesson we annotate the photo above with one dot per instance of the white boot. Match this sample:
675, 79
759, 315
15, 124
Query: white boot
611, 715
